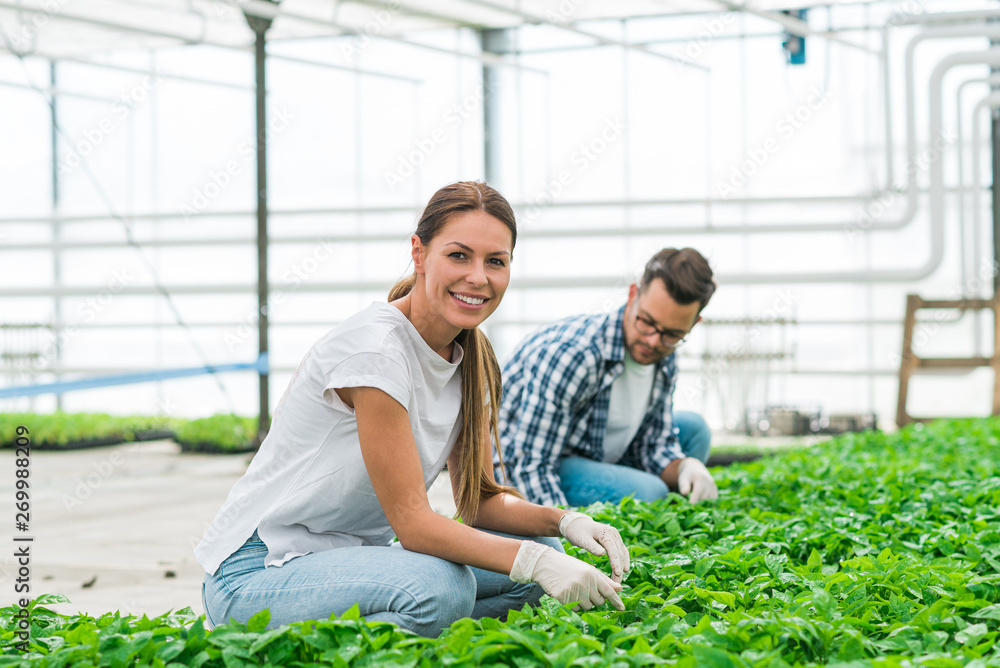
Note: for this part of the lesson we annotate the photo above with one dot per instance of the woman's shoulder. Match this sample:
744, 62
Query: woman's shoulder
375, 329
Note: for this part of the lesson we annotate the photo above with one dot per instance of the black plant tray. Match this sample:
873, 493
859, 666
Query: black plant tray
214, 448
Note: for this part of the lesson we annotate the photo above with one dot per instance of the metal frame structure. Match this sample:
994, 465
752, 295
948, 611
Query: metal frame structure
292, 17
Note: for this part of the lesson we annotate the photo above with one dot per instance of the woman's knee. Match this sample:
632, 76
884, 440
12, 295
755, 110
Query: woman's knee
450, 596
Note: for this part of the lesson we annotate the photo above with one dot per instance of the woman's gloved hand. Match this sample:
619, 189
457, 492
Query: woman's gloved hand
598, 539
563, 577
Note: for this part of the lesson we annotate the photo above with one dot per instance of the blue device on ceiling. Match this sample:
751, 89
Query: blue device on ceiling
794, 45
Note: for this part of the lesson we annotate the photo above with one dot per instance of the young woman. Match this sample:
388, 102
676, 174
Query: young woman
373, 412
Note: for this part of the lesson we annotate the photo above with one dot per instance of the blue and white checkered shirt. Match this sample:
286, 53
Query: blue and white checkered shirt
556, 391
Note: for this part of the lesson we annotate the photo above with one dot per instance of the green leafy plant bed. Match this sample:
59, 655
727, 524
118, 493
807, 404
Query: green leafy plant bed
868, 550
69, 431
218, 434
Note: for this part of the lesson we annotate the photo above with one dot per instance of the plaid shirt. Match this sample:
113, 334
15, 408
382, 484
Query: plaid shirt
556, 392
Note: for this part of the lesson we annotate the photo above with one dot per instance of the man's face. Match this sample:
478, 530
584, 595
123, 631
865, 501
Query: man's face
655, 308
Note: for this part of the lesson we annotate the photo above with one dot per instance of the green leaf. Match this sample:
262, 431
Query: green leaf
991, 612
971, 634
50, 599
711, 657
720, 596
259, 621
704, 566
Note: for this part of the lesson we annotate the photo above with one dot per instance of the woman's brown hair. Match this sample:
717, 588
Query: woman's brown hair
480, 370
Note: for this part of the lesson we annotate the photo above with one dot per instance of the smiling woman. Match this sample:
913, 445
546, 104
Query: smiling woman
375, 409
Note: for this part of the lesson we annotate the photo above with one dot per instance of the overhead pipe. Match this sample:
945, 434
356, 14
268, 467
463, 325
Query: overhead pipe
792, 25
962, 190
52, 91
413, 209
946, 17
600, 39
992, 58
198, 37
520, 322
264, 9
991, 101
986, 31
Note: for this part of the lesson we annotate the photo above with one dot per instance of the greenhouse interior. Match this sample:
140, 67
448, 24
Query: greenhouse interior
646, 332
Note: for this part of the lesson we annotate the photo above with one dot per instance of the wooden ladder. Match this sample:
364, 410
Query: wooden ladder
910, 362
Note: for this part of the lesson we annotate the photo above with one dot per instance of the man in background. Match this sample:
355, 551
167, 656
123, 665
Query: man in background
587, 410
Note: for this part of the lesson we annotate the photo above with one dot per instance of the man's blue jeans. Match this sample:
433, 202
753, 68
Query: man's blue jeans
585, 481
421, 593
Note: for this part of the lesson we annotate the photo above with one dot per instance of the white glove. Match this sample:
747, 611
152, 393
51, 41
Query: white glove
598, 539
695, 482
564, 578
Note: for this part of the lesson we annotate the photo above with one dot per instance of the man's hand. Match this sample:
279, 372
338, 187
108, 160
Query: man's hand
695, 482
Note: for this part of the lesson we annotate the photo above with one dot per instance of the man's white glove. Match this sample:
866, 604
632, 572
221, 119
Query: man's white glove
564, 578
598, 539
695, 482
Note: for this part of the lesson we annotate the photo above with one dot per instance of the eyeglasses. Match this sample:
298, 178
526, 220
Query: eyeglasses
645, 328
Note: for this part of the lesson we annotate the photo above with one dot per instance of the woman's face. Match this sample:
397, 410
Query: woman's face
466, 267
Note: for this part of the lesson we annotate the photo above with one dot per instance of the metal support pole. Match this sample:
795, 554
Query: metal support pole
496, 41
57, 318
995, 123
995, 128
259, 26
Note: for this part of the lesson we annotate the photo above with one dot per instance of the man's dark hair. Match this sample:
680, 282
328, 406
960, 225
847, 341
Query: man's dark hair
685, 273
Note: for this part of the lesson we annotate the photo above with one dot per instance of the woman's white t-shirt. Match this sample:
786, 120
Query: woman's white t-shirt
307, 488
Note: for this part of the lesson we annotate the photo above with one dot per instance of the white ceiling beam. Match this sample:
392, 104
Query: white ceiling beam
265, 9
792, 25
191, 40
568, 27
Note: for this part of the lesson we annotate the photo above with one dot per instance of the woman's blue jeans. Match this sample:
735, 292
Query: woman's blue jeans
420, 593
585, 481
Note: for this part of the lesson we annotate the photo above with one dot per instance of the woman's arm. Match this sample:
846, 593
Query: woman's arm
393, 464
508, 513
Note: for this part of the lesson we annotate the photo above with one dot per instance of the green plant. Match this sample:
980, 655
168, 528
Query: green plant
224, 432
870, 550
59, 430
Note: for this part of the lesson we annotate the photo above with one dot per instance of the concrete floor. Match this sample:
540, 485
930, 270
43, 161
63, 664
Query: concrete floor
115, 527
